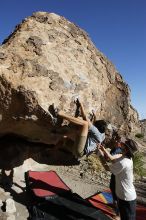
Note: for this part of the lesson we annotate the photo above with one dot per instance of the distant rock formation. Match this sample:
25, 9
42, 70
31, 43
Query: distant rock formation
134, 123
143, 128
46, 60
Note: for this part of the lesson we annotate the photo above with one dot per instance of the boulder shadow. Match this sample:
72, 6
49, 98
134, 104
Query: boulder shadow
14, 150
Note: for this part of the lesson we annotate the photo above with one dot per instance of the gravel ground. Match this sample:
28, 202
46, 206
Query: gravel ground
85, 178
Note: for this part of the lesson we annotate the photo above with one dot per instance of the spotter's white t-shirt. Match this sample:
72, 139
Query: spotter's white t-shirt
123, 171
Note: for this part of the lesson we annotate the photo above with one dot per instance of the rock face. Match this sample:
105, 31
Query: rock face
46, 60
143, 128
134, 123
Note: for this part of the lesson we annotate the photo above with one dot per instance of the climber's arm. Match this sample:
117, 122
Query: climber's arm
93, 117
83, 114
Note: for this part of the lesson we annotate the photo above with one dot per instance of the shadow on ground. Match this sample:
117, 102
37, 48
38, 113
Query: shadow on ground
14, 151
141, 192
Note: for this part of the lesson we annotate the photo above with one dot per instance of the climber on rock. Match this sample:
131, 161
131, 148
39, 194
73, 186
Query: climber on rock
87, 134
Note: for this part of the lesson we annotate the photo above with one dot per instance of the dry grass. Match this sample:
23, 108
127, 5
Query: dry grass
94, 163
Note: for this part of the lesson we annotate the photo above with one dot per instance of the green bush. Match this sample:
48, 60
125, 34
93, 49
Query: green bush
139, 135
138, 163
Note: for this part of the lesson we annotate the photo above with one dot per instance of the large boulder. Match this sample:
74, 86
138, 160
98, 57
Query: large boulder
46, 60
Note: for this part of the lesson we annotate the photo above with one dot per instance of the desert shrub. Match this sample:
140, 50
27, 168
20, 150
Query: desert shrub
139, 135
94, 163
138, 163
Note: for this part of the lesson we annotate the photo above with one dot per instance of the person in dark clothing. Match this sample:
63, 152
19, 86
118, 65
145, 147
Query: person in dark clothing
116, 152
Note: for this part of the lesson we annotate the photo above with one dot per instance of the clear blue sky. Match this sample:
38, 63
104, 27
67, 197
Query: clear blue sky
117, 28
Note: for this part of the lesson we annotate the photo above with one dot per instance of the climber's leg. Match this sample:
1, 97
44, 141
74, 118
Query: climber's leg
75, 121
80, 134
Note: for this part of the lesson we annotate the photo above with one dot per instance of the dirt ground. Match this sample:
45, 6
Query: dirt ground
20, 156
85, 177
73, 176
